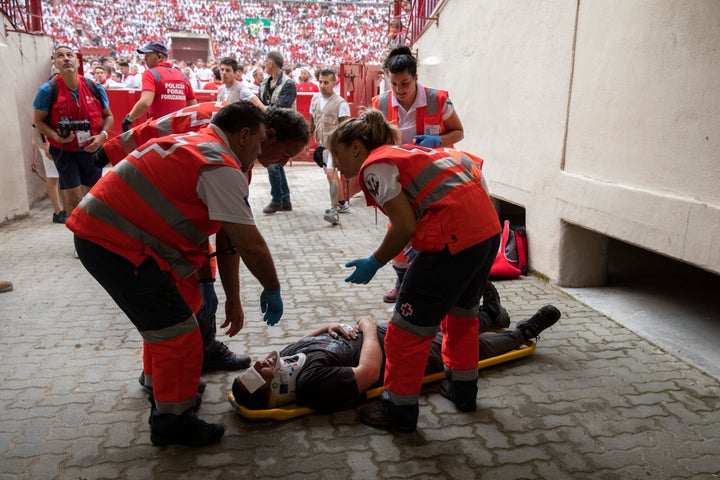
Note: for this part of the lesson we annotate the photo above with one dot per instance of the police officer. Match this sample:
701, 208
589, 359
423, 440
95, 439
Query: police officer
165, 89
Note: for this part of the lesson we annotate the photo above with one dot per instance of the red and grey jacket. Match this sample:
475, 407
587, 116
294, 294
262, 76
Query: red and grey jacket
88, 107
428, 120
148, 205
445, 190
187, 119
172, 89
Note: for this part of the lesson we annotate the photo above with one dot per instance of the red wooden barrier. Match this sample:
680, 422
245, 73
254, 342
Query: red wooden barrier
122, 101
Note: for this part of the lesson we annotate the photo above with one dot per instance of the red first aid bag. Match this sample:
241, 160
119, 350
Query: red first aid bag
511, 259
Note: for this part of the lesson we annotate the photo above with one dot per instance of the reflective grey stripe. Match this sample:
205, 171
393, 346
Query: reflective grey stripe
432, 106
164, 152
383, 103
194, 121
176, 408
127, 142
399, 400
467, 163
159, 202
101, 211
164, 126
172, 332
212, 151
400, 322
465, 375
441, 190
465, 312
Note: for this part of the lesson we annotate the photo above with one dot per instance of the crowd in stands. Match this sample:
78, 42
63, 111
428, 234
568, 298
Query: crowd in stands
328, 33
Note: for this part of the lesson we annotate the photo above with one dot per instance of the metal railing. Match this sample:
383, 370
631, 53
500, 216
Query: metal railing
423, 11
24, 15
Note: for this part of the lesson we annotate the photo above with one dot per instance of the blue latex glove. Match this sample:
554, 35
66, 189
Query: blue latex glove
410, 254
365, 269
430, 141
208, 309
271, 305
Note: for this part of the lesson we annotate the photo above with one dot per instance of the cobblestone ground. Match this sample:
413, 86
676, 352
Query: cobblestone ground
595, 401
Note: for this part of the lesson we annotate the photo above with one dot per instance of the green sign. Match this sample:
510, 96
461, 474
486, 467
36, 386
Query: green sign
265, 21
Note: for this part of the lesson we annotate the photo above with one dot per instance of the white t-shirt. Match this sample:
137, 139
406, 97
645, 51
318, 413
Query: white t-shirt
132, 81
382, 181
225, 192
204, 74
244, 92
407, 119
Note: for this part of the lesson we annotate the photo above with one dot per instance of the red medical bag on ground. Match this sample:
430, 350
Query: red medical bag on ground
511, 260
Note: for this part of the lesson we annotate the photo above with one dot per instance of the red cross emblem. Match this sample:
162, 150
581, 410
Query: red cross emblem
406, 309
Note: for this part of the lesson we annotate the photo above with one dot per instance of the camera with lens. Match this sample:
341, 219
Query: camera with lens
67, 125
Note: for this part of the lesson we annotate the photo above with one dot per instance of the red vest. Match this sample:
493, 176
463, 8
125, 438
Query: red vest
445, 190
188, 119
428, 119
87, 108
172, 89
148, 205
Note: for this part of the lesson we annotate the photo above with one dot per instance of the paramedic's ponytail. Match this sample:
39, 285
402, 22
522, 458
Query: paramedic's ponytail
370, 128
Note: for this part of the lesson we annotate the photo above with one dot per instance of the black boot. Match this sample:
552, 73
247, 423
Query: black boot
544, 318
384, 414
497, 315
222, 358
185, 429
462, 393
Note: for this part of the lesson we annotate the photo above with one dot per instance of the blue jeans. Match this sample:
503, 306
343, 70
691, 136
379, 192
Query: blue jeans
279, 189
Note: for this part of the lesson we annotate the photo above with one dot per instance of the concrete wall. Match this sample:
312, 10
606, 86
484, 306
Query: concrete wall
600, 118
26, 65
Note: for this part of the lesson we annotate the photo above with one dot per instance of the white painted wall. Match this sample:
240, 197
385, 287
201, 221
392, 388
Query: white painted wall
601, 114
26, 65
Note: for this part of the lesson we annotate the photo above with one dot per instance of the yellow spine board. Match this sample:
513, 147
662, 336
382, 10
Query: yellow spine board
292, 410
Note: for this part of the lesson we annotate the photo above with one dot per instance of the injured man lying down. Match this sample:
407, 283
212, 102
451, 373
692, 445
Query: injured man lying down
333, 366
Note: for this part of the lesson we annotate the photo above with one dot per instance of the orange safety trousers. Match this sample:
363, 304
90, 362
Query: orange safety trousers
174, 366
460, 343
407, 353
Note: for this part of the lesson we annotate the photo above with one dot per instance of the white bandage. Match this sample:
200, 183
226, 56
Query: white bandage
251, 379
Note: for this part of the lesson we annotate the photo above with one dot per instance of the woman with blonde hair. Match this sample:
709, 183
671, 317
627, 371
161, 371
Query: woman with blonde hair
435, 201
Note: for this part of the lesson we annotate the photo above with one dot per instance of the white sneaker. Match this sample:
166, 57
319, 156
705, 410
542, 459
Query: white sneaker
343, 207
331, 216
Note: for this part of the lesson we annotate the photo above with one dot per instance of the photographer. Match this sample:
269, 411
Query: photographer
74, 115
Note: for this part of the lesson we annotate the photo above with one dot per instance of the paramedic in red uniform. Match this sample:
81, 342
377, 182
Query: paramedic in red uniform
165, 88
142, 233
287, 132
429, 196
423, 115
286, 135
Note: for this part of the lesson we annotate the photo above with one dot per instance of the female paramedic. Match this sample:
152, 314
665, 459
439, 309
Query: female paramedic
435, 201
